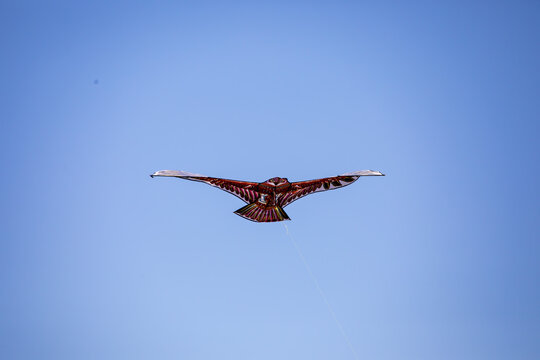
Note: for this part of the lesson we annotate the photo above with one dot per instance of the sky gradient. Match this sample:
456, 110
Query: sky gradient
437, 260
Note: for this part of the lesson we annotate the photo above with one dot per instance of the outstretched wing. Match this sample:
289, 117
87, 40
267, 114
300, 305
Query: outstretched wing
303, 188
245, 190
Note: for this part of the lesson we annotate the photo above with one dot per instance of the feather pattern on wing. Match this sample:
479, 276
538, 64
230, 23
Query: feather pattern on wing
303, 188
244, 190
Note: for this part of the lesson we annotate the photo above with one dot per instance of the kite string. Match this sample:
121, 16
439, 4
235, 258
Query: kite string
321, 293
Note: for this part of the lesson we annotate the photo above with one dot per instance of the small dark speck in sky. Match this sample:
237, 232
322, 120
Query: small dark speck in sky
96, 81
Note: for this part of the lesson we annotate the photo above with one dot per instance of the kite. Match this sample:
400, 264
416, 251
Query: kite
266, 200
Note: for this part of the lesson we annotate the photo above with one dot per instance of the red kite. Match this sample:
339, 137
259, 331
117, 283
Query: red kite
267, 199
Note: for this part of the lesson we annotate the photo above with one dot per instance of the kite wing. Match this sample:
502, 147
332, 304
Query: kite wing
245, 190
303, 188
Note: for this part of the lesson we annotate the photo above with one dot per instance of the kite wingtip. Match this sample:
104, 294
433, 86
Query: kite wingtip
364, 173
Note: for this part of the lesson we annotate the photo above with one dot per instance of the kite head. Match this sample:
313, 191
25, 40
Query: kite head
277, 181
276, 184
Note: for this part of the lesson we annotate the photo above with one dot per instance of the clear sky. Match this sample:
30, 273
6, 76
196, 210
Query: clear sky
440, 259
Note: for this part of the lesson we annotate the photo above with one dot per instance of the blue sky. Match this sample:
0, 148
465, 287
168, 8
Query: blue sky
437, 260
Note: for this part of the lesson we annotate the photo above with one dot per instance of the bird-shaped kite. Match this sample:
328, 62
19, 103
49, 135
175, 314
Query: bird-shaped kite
267, 199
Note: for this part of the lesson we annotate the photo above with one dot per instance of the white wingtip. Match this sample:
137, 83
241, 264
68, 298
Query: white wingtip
364, 173
175, 173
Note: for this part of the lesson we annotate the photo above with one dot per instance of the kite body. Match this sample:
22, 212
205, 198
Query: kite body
266, 200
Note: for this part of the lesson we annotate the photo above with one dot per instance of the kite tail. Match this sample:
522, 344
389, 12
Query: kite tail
261, 213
